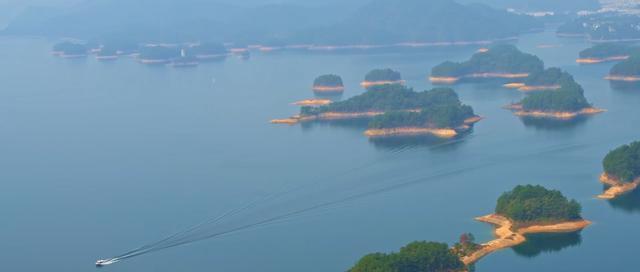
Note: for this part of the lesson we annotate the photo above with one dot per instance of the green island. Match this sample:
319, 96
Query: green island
414, 257
396, 110
605, 52
534, 204
442, 114
70, 49
564, 103
527, 209
621, 170
328, 83
627, 70
543, 80
501, 61
378, 77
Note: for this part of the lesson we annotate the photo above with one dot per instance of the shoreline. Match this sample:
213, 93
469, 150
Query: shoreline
488, 75
445, 133
601, 60
327, 89
367, 84
508, 236
330, 116
313, 102
530, 88
622, 78
559, 115
616, 186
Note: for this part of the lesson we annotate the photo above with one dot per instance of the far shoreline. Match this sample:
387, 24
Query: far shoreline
486, 75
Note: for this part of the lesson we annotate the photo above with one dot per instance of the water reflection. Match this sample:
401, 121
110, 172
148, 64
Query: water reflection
537, 244
629, 202
553, 124
416, 141
625, 86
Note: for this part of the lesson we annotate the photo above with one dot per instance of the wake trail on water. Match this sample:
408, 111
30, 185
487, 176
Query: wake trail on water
209, 229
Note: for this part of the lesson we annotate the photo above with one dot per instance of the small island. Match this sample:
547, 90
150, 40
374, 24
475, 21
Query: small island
621, 171
544, 80
70, 50
626, 71
605, 52
416, 256
499, 62
564, 103
441, 115
379, 77
158, 54
107, 53
328, 84
528, 209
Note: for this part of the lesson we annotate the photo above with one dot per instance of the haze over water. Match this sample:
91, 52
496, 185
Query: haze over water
99, 158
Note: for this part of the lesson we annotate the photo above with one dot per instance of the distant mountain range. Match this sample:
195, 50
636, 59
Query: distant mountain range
378, 22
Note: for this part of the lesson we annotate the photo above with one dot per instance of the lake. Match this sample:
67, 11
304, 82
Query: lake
101, 157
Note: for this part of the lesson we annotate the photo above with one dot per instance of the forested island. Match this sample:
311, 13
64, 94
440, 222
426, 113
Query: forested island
548, 79
627, 70
564, 103
501, 61
603, 27
396, 110
378, 77
605, 52
621, 170
528, 209
414, 257
329, 83
442, 114
70, 50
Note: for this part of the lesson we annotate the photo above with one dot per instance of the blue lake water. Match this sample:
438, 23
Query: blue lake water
101, 157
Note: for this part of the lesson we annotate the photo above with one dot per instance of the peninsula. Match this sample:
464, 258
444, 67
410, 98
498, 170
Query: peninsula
378, 77
498, 62
328, 84
526, 210
621, 171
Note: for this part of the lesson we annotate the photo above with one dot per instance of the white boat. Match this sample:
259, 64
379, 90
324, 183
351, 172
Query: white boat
100, 263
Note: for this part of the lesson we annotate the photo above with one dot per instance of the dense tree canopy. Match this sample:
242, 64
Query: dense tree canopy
383, 75
388, 98
437, 116
503, 58
569, 98
624, 162
550, 76
529, 203
329, 80
629, 67
414, 257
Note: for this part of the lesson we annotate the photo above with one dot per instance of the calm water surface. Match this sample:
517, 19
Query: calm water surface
99, 158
